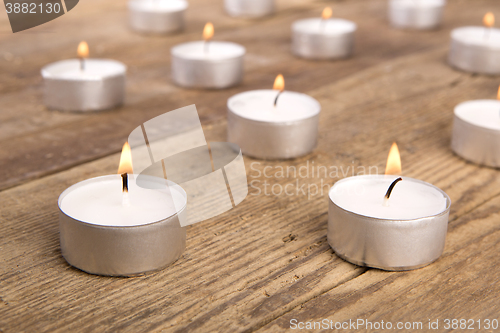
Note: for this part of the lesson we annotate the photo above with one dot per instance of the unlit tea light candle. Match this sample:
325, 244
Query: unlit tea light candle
476, 132
387, 222
249, 8
476, 49
84, 84
157, 16
323, 38
108, 228
273, 124
207, 64
416, 14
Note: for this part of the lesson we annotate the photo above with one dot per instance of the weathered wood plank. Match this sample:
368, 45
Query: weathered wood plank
462, 284
257, 264
243, 270
51, 141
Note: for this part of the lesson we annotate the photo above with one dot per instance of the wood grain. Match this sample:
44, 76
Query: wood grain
266, 261
54, 141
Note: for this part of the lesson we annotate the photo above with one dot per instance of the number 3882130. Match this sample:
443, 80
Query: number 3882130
32, 8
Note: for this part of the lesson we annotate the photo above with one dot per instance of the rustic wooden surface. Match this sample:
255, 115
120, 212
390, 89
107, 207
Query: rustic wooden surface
267, 261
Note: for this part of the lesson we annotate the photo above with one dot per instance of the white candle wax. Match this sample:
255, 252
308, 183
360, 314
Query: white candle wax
476, 49
259, 105
212, 64
482, 113
161, 6
100, 202
409, 200
94, 69
324, 27
157, 16
479, 36
262, 130
476, 132
99, 85
208, 51
316, 38
416, 14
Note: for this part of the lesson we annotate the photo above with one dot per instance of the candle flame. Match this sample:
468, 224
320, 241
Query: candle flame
83, 50
125, 160
489, 20
279, 83
498, 94
327, 13
208, 31
393, 166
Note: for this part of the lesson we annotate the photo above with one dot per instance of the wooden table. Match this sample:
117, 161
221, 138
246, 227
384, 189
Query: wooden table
266, 262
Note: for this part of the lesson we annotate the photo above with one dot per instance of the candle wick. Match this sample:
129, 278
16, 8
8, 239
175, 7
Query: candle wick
389, 191
276, 99
124, 182
82, 64
125, 198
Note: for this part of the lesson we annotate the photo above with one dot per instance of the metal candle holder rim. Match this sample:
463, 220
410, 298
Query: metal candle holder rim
275, 123
184, 6
47, 75
472, 44
386, 220
174, 52
96, 179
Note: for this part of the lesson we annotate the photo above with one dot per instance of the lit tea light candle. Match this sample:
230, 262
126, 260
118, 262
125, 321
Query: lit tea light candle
476, 131
157, 16
273, 124
476, 49
323, 38
416, 14
249, 8
84, 84
387, 222
207, 64
111, 226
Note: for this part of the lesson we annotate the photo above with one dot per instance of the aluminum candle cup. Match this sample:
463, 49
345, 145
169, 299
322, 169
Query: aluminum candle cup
316, 38
211, 64
100, 235
100, 86
476, 50
416, 14
407, 234
476, 132
157, 16
264, 131
249, 8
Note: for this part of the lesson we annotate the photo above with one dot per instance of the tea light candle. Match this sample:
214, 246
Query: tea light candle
157, 16
476, 49
416, 14
207, 64
109, 232
273, 124
84, 84
323, 38
387, 222
476, 132
249, 8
